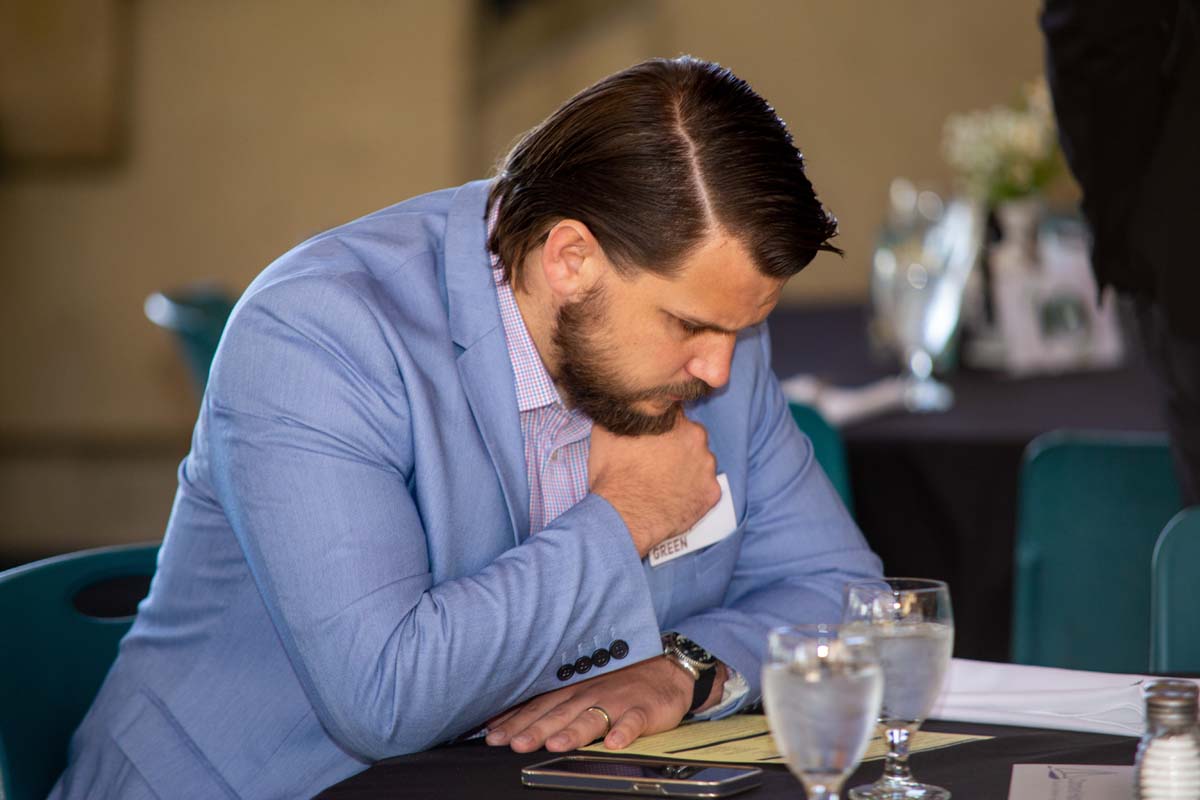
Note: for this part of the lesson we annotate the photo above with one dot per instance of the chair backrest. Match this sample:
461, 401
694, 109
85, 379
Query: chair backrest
197, 317
56, 656
1175, 596
1090, 508
828, 447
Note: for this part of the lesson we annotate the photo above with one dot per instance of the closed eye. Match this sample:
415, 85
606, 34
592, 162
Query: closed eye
692, 327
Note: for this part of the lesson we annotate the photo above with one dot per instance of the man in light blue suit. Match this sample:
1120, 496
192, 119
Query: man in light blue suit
377, 546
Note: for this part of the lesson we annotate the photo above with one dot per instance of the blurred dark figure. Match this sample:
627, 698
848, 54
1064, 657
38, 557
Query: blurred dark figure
1125, 78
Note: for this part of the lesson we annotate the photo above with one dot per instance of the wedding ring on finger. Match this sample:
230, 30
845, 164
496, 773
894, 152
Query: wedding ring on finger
607, 718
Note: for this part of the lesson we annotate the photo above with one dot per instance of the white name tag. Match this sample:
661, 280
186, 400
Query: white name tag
714, 526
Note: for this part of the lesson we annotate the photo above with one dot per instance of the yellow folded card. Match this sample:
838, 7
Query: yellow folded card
745, 739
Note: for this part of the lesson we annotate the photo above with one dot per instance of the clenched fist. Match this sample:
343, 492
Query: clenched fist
660, 485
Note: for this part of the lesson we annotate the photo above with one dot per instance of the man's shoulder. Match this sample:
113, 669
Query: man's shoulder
400, 245
391, 234
420, 213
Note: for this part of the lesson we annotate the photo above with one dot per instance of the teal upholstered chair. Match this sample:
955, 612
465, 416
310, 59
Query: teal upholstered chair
1091, 506
60, 622
829, 449
197, 317
1175, 596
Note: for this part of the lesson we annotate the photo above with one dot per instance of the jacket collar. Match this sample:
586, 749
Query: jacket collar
484, 366
471, 296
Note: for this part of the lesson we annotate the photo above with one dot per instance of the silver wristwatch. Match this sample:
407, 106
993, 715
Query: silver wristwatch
695, 661
691, 657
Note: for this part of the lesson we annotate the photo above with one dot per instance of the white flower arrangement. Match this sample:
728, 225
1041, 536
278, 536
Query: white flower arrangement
1005, 152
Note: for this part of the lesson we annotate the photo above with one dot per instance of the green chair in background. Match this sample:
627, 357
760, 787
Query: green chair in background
1175, 596
60, 622
828, 447
1090, 507
197, 316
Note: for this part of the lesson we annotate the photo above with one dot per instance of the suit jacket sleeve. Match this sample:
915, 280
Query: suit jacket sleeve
800, 545
310, 437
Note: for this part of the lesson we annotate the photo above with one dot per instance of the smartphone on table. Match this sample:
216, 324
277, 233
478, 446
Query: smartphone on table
642, 776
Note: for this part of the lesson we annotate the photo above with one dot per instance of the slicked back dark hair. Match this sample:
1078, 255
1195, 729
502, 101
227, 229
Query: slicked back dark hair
653, 159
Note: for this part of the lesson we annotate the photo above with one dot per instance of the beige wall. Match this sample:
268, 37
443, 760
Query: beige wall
255, 123
864, 86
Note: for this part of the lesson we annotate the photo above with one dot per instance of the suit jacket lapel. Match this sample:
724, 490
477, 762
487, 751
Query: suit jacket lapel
483, 364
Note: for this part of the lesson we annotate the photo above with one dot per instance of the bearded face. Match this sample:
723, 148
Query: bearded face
593, 381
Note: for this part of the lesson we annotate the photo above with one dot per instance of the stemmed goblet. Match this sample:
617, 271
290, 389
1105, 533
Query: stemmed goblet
911, 624
822, 689
922, 262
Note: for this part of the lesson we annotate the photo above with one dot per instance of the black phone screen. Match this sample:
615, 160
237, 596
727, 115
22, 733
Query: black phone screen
678, 772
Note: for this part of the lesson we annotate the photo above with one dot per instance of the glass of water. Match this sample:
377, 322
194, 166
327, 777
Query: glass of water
822, 689
911, 624
923, 260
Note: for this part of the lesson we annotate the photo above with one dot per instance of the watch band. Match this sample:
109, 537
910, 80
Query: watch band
702, 689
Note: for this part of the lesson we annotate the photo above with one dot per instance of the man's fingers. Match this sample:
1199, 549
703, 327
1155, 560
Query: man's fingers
500, 719
638, 699
589, 726
630, 726
497, 732
501, 729
509, 724
536, 732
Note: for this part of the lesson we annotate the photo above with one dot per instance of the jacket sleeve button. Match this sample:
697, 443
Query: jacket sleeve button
600, 658
582, 665
619, 649
565, 672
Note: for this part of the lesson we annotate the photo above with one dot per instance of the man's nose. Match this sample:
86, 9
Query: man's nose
711, 362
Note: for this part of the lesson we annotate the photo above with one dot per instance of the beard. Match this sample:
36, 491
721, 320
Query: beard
594, 385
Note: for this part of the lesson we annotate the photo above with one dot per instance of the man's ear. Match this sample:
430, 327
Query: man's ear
571, 260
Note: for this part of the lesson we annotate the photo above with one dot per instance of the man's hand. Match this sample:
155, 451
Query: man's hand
648, 697
660, 485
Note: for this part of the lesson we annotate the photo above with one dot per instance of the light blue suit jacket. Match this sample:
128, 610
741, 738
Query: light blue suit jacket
347, 575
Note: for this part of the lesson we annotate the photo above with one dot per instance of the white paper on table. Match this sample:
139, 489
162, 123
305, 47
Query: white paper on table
841, 405
1042, 697
1070, 782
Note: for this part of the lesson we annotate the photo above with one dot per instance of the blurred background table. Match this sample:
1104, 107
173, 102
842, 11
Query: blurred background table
976, 770
936, 494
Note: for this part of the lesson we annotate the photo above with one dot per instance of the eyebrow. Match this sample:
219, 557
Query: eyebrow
701, 325
712, 327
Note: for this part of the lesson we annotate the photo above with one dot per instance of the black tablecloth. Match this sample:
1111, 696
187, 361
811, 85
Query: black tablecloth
973, 771
936, 494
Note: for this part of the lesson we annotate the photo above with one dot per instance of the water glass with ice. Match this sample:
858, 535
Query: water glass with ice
912, 627
822, 689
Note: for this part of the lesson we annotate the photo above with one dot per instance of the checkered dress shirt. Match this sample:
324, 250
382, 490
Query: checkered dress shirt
557, 438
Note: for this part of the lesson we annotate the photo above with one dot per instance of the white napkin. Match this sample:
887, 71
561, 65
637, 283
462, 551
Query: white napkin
842, 405
1042, 697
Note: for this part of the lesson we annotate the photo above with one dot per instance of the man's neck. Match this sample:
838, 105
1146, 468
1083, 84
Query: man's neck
536, 312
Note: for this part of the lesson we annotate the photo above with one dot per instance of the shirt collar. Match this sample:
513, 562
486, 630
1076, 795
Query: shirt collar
535, 389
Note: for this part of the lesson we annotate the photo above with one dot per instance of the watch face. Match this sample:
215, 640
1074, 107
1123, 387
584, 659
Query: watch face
694, 651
